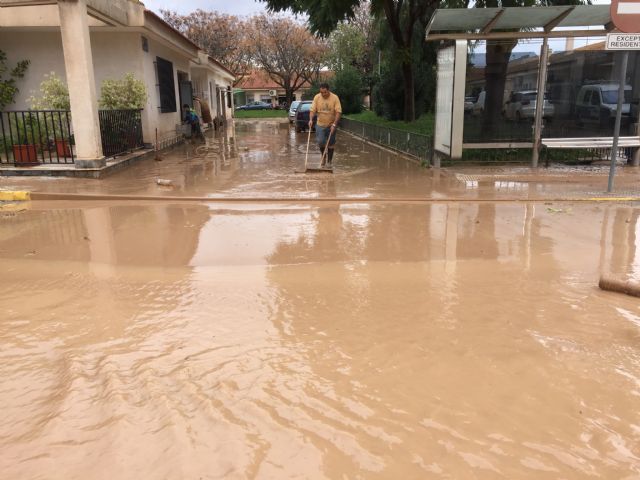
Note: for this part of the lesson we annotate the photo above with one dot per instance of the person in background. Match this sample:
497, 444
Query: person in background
191, 118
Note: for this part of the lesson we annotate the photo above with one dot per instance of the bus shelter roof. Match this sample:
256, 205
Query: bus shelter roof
519, 22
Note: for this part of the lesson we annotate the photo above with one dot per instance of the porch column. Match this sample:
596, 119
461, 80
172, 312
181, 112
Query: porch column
76, 44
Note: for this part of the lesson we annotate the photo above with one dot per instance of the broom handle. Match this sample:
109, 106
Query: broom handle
306, 155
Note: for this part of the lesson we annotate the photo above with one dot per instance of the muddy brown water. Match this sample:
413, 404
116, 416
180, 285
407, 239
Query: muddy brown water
161, 340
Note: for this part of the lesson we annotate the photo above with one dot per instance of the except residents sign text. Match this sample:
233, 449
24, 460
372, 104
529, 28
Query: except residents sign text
623, 41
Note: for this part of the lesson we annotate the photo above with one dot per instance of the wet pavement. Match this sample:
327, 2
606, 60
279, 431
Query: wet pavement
184, 339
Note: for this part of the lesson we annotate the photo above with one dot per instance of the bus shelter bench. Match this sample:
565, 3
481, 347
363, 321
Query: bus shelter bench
591, 149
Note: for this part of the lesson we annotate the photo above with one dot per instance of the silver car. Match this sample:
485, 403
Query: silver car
292, 110
522, 105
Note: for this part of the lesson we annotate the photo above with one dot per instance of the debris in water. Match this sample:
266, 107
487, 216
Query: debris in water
612, 284
558, 210
164, 182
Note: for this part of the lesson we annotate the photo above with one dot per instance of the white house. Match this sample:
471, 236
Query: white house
88, 41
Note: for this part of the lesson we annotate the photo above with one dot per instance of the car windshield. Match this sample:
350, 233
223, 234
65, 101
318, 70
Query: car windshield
305, 107
611, 96
294, 105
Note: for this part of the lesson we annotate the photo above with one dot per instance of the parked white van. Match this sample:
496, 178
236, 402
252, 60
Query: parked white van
597, 103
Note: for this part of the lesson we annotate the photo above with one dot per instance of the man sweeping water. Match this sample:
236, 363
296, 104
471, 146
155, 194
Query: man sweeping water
326, 106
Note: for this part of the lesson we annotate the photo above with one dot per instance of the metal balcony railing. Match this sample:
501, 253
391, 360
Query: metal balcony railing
37, 137
31, 137
121, 131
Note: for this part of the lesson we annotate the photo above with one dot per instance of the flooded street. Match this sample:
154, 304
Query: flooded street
458, 337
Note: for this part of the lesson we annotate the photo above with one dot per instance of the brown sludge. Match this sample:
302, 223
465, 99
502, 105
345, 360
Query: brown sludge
160, 339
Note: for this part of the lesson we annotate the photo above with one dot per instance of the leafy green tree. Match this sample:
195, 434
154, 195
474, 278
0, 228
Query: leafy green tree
402, 18
8, 79
347, 84
389, 92
347, 46
314, 89
355, 43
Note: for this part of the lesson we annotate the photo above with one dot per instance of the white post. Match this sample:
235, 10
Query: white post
622, 80
542, 86
76, 43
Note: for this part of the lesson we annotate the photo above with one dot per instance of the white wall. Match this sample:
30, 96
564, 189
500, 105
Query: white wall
152, 117
43, 49
114, 55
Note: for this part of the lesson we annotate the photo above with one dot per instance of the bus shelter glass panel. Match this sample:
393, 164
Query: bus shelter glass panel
582, 90
501, 91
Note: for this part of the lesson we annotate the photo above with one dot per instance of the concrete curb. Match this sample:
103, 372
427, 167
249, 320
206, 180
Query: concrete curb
42, 196
14, 196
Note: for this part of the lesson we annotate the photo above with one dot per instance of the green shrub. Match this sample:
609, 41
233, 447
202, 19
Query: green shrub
347, 84
54, 94
127, 93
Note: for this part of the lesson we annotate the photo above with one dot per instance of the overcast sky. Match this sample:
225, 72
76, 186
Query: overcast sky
235, 7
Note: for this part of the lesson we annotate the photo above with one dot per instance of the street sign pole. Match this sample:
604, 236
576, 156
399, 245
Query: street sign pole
622, 80
625, 16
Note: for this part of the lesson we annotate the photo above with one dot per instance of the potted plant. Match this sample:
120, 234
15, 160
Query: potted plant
23, 140
54, 96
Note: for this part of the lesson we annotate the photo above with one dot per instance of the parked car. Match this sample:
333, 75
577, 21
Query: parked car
302, 117
255, 106
292, 111
522, 105
597, 103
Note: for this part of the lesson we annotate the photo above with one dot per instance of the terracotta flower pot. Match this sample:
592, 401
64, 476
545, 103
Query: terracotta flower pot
25, 154
63, 149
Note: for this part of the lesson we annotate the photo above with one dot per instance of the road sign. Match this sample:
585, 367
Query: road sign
625, 15
623, 41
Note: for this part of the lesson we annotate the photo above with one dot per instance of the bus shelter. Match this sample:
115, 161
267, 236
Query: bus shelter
531, 78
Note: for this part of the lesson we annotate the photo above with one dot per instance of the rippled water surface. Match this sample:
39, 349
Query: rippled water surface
165, 340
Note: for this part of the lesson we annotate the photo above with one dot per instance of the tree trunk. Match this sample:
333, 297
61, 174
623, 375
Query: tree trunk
495, 75
409, 96
288, 91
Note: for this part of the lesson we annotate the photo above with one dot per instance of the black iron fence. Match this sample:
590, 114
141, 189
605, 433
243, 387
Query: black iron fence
34, 137
414, 144
121, 131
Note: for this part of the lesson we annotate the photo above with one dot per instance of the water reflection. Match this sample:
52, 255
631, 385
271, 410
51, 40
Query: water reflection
397, 336
337, 340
